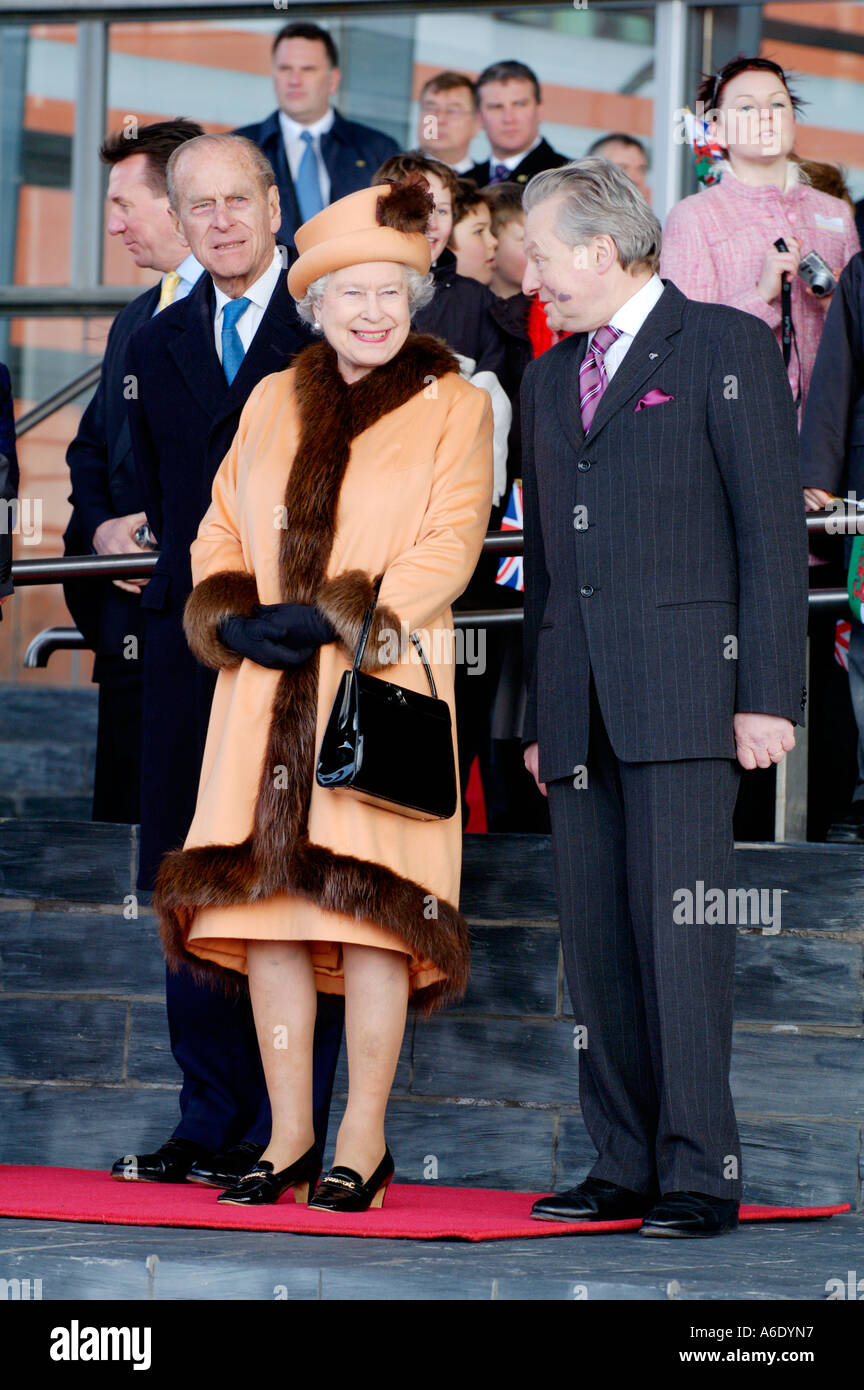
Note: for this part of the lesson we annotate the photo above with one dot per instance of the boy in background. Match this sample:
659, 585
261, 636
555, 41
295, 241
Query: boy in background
472, 240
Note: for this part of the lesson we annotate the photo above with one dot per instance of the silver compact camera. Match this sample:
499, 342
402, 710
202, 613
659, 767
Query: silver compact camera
815, 273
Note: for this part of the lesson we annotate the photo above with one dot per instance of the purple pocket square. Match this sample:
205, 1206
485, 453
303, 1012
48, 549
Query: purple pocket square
653, 397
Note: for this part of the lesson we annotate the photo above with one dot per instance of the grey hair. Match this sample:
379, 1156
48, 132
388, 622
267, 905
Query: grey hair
421, 289
598, 198
237, 144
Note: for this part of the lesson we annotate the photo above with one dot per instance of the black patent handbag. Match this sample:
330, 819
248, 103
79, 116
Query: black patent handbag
389, 746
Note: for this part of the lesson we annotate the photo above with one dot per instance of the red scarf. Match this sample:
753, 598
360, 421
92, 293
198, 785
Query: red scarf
541, 335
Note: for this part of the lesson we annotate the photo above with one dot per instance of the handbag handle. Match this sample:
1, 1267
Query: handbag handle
364, 637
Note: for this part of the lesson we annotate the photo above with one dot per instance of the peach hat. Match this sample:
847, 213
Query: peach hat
382, 223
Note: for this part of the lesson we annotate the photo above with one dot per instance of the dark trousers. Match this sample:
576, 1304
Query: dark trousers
117, 778
223, 1099
653, 996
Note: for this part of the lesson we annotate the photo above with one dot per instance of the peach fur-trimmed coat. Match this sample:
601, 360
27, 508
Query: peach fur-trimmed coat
325, 487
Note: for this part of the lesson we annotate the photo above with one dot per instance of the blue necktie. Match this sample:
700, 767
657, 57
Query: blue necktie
233, 350
307, 185
500, 174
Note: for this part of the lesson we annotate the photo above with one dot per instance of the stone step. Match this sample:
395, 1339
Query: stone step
796, 1162
42, 775
516, 971
486, 1092
505, 878
761, 1263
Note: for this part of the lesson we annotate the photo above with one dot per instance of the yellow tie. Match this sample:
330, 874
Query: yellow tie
169, 289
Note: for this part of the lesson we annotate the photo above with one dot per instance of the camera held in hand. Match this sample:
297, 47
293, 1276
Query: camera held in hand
813, 271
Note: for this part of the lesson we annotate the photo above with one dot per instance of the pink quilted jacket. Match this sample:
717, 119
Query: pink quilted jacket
715, 241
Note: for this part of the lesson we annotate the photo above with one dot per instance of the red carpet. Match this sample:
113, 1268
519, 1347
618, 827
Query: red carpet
412, 1212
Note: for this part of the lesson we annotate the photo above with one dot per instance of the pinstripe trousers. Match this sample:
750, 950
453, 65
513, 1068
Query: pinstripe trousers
653, 996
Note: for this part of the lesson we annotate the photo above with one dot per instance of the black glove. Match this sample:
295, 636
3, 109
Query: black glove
244, 638
279, 635
297, 624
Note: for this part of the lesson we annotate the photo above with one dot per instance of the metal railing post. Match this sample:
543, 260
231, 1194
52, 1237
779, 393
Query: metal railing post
90, 99
790, 797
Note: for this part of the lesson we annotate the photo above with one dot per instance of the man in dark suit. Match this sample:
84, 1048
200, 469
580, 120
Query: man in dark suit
511, 109
193, 368
317, 155
832, 465
107, 506
665, 624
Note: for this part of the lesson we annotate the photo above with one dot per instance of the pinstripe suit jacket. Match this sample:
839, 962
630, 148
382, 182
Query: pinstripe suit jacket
665, 551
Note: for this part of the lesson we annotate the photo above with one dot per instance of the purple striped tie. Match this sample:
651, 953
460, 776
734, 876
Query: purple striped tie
592, 374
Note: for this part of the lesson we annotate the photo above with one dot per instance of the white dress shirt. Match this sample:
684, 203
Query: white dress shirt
260, 295
628, 320
295, 147
513, 160
190, 272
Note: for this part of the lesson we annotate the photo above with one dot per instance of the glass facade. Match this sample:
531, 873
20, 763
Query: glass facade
596, 63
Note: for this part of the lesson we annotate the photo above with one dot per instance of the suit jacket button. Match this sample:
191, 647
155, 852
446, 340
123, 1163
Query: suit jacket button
587, 590
583, 465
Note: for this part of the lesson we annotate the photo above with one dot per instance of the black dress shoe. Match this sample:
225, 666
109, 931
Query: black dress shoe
594, 1200
682, 1214
261, 1186
223, 1169
170, 1163
343, 1189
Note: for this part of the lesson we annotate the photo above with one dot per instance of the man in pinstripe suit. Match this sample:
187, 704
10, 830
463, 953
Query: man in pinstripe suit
665, 623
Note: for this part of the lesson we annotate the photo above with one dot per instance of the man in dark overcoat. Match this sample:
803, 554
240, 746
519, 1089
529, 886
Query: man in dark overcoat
665, 624
107, 509
317, 155
193, 368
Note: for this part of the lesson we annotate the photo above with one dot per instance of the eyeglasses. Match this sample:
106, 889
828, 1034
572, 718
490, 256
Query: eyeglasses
431, 108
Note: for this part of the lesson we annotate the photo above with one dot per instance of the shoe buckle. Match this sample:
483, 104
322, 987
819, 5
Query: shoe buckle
342, 1182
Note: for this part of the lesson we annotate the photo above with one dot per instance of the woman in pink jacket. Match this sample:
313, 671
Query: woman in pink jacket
718, 245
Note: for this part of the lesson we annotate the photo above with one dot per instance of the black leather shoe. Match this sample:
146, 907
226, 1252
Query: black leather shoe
261, 1185
343, 1189
685, 1214
223, 1169
594, 1200
170, 1163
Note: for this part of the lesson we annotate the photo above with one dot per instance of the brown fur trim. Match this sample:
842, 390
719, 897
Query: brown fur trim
408, 206
227, 594
277, 856
225, 875
344, 600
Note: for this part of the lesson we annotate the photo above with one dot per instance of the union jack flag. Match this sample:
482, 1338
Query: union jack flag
510, 571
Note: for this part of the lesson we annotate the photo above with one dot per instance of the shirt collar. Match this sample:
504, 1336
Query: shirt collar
261, 291
513, 160
293, 130
190, 270
793, 180
635, 310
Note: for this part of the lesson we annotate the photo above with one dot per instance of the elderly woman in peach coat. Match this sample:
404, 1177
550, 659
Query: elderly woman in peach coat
369, 457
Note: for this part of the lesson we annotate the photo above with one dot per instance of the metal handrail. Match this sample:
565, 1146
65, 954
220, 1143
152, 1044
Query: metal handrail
66, 301
51, 640
52, 569
31, 418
